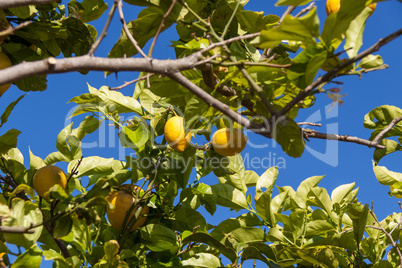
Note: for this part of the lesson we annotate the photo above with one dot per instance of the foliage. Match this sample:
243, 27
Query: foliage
298, 227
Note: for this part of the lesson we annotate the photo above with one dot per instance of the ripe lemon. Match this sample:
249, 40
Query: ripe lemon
46, 177
334, 6
174, 134
228, 142
4, 63
122, 200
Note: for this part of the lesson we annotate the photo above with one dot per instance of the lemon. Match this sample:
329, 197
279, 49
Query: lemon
334, 6
122, 200
4, 63
228, 142
174, 134
46, 177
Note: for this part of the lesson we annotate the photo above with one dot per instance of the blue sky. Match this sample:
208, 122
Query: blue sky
41, 115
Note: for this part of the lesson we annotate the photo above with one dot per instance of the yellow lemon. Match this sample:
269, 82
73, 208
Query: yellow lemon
334, 6
4, 63
228, 142
174, 134
122, 200
46, 177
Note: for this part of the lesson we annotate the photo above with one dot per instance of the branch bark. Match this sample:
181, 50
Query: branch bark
19, 3
329, 75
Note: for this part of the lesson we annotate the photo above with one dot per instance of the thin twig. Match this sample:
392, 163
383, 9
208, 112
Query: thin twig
309, 123
15, 230
228, 41
394, 245
97, 42
127, 31
151, 49
11, 30
131, 82
330, 74
388, 128
230, 19
248, 63
309, 133
4, 4
266, 53
305, 10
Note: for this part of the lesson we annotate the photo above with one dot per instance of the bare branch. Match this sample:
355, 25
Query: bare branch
308, 133
131, 82
211, 81
248, 63
267, 52
127, 31
11, 30
305, 10
104, 31
19, 3
52, 66
16, 230
385, 130
151, 49
394, 245
228, 41
309, 123
329, 75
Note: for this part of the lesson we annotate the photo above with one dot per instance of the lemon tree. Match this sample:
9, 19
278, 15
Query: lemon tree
236, 73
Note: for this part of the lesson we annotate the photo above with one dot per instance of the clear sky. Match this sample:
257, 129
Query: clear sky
41, 115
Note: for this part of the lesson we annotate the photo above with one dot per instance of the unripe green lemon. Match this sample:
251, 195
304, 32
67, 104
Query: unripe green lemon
46, 177
174, 134
122, 201
4, 63
228, 142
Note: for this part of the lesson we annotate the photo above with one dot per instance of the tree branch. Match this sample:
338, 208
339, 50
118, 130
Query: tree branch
127, 31
211, 101
151, 49
329, 75
53, 66
16, 230
19, 3
385, 130
309, 133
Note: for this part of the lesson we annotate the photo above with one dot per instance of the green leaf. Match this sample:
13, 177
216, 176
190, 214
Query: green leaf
35, 83
236, 178
250, 178
31, 258
304, 189
88, 125
79, 235
23, 12
93, 9
341, 192
188, 219
8, 140
390, 147
63, 226
358, 213
287, 133
296, 29
322, 199
267, 180
159, 238
206, 260
7, 111
22, 214
209, 239
94, 165
385, 176
318, 227
135, 137
354, 34
380, 117
338, 23
117, 102
249, 235
228, 196
142, 29
253, 253
35, 162
370, 61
